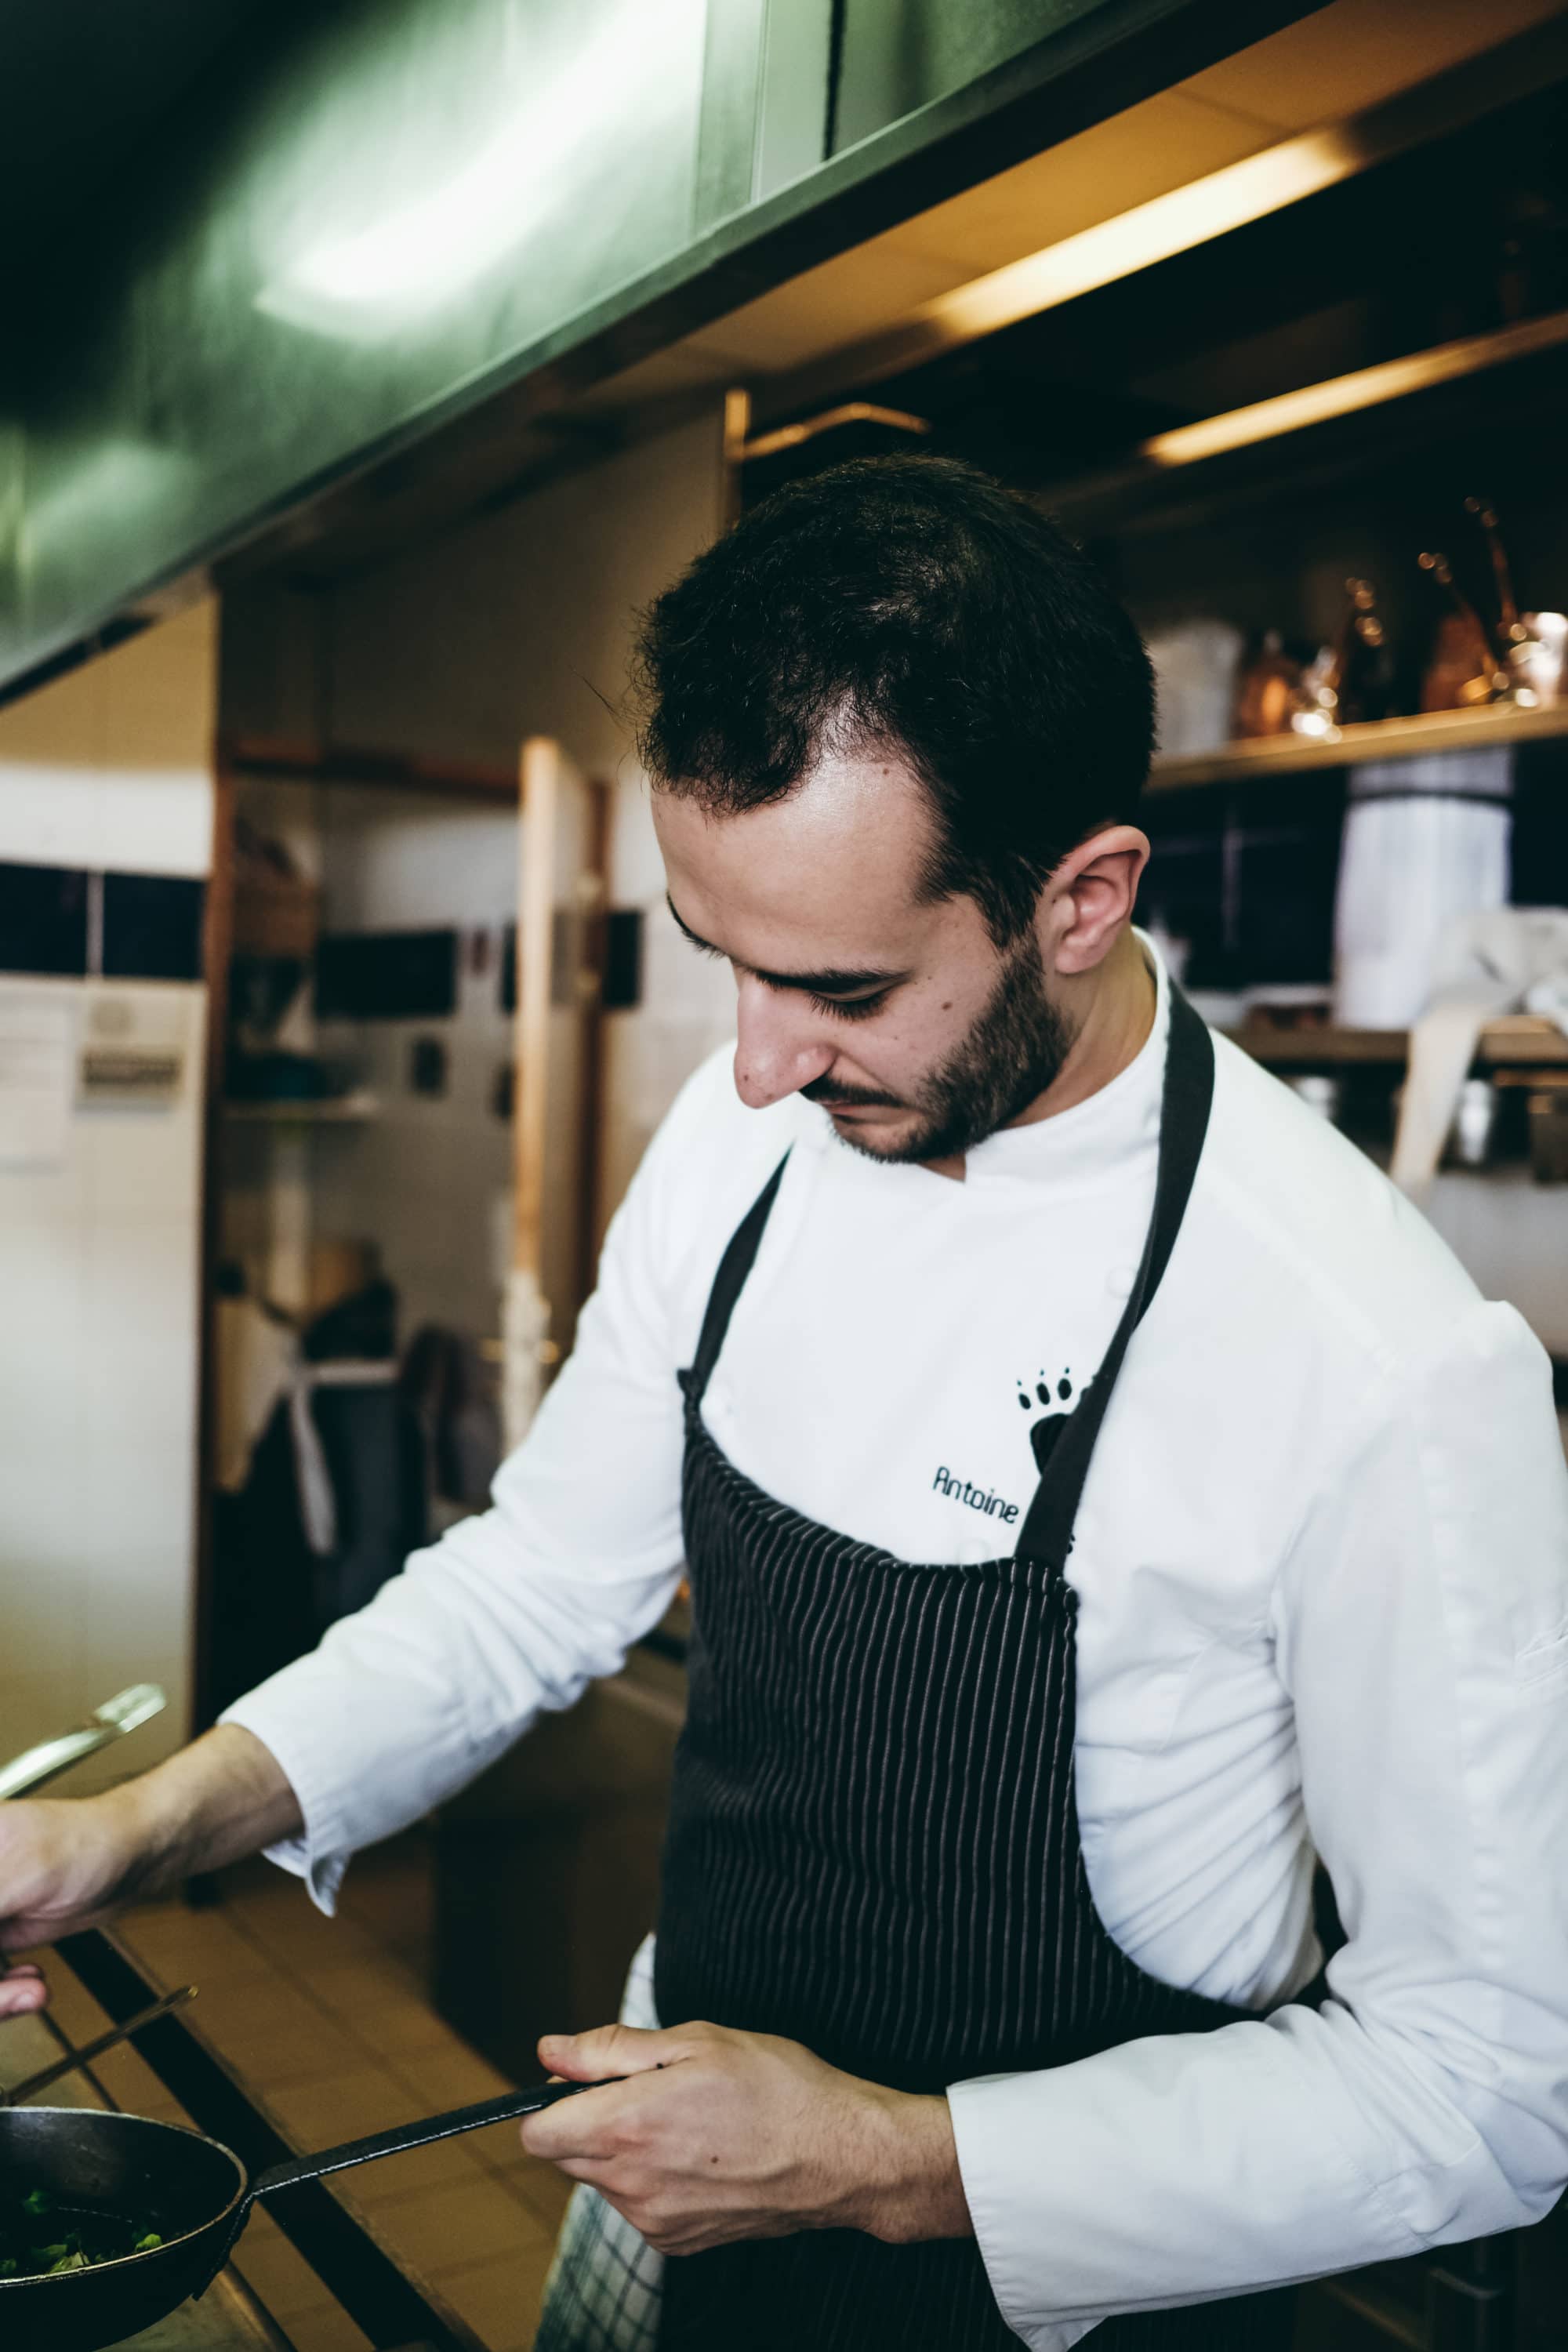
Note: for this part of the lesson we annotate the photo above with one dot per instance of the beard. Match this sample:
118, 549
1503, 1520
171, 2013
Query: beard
1010, 1056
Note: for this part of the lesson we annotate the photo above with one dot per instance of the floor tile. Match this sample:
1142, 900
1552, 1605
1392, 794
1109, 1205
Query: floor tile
450, 2075
134, 2088
73, 2009
542, 2188
469, 2221
390, 2023
281, 2278
180, 1945
273, 2032
500, 2300
422, 2171
335, 2106
324, 2328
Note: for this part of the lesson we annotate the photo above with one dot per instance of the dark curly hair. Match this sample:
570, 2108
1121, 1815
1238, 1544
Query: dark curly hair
915, 605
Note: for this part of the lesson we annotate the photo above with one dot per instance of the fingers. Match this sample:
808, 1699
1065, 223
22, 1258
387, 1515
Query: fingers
601, 2126
585, 2130
609, 2051
22, 1992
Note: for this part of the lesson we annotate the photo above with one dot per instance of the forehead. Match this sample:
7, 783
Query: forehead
838, 860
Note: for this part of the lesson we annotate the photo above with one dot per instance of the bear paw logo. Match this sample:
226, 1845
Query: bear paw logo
1052, 1402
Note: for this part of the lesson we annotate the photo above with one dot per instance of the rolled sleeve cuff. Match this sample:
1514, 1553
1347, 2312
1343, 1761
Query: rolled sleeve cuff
990, 2189
320, 1854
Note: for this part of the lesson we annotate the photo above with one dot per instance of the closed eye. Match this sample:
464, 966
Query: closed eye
874, 986
850, 1008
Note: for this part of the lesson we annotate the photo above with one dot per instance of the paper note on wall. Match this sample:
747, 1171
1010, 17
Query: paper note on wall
37, 1080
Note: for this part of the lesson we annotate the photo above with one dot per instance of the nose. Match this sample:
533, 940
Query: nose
780, 1047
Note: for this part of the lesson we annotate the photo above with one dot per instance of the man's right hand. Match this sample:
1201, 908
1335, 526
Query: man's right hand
71, 1863
62, 1862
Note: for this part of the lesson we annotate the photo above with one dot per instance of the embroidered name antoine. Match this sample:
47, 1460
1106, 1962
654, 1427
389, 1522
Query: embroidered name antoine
961, 1491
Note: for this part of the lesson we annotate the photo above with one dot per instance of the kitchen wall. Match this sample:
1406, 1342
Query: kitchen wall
521, 624
518, 624
425, 1179
105, 772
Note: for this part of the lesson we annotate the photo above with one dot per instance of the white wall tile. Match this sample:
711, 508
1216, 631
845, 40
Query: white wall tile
105, 769
139, 820
154, 821
41, 1284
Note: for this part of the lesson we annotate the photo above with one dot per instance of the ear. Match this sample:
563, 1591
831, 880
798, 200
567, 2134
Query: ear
1088, 903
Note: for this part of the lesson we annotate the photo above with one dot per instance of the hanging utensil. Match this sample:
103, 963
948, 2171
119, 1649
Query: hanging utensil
125, 1712
1508, 611
1490, 680
31, 2084
188, 2190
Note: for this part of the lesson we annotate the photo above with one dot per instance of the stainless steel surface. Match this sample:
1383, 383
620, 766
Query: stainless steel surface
73, 2060
1474, 1124
380, 221
125, 1712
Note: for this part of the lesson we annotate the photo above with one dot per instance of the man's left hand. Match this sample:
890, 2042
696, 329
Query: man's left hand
712, 2135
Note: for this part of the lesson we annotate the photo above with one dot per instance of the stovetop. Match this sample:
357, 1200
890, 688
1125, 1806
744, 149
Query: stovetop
228, 2318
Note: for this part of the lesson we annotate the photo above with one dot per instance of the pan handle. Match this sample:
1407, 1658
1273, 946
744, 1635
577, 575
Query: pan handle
403, 2137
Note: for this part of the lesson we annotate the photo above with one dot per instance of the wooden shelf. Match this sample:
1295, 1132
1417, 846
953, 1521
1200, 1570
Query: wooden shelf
1392, 404
354, 763
321, 1110
1518, 1040
1384, 739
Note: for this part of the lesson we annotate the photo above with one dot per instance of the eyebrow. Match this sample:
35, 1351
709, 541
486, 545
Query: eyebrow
815, 983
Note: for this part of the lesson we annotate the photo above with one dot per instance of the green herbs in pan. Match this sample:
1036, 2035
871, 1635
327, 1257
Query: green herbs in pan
38, 2237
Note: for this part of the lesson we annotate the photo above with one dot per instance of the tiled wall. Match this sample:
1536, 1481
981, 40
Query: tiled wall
108, 768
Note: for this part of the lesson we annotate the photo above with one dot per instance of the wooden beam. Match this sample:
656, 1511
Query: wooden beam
1183, 217
539, 782
217, 951
346, 763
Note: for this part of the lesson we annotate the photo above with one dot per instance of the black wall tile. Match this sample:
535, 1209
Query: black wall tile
43, 920
387, 975
622, 957
152, 927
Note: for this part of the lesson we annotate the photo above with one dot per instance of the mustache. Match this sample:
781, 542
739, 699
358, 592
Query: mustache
822, 1090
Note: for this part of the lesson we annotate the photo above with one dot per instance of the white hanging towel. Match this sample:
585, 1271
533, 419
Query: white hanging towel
1488, 964
1426, 841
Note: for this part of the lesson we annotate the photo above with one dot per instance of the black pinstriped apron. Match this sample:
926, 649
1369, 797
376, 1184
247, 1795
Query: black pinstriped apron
873, 1841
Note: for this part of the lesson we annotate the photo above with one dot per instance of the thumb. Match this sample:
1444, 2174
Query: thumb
606, 2053
22, 1990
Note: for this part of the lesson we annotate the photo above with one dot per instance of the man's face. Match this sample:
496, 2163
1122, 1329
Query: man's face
900, 1016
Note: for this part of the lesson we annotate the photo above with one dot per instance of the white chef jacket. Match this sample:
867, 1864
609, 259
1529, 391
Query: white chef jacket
1322, 1567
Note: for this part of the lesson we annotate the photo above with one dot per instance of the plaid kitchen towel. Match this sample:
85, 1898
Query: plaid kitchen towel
605, 2286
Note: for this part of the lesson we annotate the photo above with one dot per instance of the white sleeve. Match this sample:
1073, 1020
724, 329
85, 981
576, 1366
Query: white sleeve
1421, 1622
512, 1612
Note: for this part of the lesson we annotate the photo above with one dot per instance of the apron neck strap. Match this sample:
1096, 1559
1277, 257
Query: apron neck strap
733, 1267
1183, 1122
1188, 1095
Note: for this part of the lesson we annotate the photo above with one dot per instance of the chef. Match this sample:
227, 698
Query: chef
1102, 1495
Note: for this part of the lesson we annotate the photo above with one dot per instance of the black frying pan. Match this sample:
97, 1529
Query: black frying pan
190, 2189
